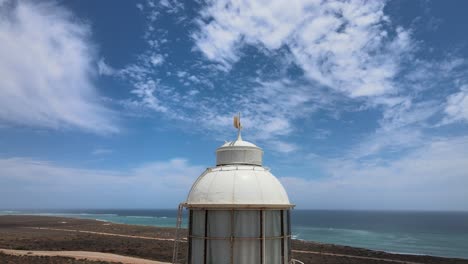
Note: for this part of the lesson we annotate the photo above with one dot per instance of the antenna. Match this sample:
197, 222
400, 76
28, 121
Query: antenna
237, 124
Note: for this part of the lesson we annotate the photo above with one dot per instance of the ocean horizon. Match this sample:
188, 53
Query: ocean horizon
443, 234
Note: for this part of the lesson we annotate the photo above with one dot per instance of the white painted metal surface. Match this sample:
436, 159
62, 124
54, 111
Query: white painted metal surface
238, 143
251, 186
239, 152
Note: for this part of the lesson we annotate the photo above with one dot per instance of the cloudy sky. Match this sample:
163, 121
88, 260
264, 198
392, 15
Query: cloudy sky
121, 104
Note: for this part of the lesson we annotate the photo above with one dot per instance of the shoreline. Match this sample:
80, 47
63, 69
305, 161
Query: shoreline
26, 232
121, 220
294, 237
384, 251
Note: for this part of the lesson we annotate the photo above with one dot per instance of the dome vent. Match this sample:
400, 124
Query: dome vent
239, 152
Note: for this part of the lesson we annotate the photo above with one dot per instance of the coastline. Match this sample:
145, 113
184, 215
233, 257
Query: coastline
26, 232
441, 234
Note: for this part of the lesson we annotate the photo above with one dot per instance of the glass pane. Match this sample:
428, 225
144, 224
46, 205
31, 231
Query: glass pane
273, 251
198, 223
218, 252
272, 220
247, 223
247, 252
219, 223
197, 250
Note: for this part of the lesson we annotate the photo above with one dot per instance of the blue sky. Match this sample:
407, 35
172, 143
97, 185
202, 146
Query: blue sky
121, 104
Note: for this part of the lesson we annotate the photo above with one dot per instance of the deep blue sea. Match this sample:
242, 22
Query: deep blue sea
428, 233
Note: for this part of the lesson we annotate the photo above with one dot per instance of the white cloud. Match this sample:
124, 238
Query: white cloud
386, 141
432, 177
156, 59
351, 47
145, 88
401, 128
170, 6
269, 107
341, 44
223, 49
456, 107
268, 110
354, 58
27, 183
46, 70
282, 146
104, 68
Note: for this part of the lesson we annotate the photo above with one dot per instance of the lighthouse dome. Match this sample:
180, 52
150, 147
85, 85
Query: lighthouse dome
238, 211
238, 186
239, 180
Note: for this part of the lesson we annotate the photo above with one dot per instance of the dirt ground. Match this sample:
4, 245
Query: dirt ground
9, 259
57, 233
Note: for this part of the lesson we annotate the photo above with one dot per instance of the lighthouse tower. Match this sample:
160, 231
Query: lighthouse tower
239, 213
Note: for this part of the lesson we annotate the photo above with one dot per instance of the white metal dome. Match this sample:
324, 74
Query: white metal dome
238, 186
238, 143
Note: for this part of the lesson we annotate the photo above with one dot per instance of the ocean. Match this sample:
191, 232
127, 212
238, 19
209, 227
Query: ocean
442, 234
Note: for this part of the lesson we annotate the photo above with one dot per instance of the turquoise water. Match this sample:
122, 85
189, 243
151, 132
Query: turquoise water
427, 233
160, 221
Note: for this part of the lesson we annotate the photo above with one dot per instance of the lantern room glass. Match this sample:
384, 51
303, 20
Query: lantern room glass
239, 236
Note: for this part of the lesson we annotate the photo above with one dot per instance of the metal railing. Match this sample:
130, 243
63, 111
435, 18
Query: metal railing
175, 254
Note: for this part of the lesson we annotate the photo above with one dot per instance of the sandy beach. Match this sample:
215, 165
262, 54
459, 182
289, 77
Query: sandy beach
43, 239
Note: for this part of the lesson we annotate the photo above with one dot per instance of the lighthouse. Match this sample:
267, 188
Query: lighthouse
238, 212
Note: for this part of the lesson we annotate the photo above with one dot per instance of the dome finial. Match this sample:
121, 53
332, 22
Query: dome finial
237, 124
